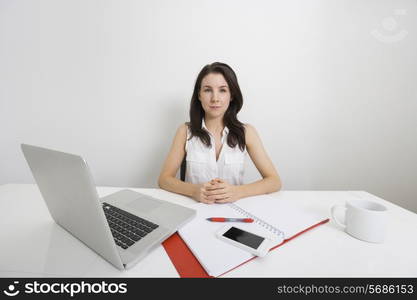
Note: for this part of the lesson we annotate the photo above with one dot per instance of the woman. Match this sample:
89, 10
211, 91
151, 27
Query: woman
215, 143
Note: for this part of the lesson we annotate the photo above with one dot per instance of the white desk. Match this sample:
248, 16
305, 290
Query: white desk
32, 245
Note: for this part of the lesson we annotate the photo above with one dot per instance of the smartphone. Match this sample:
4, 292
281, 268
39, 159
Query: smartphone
246, 240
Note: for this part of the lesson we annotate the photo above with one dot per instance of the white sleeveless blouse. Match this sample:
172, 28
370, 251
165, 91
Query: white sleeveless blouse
201, 160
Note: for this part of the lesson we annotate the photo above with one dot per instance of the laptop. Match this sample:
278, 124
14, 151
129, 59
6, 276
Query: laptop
122, 227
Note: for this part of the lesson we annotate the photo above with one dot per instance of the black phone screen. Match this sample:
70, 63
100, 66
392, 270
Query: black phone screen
244, 237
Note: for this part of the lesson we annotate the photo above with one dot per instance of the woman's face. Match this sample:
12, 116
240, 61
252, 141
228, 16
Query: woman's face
214, 95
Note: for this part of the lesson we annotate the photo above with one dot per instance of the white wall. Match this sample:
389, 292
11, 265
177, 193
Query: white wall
329, 85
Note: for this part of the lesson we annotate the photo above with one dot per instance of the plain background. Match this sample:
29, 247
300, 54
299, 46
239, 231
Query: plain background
330, 86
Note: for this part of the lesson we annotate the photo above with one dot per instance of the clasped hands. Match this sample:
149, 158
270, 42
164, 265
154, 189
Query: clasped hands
217, 191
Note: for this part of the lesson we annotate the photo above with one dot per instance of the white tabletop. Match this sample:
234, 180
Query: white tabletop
32, 245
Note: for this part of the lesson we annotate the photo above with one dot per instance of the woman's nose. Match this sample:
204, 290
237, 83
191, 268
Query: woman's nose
215, 97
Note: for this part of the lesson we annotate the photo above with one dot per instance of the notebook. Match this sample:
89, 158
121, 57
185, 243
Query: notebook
273, 217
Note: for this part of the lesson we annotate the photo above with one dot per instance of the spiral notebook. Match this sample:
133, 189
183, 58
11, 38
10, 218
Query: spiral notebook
274, 218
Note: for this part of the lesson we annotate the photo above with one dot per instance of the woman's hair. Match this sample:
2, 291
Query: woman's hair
236, 129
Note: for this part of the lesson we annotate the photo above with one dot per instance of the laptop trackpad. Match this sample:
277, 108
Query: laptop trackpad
143, 204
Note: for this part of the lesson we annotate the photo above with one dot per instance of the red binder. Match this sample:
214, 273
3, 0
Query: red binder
187, 264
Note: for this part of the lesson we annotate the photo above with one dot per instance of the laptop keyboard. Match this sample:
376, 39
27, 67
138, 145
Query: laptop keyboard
126, 228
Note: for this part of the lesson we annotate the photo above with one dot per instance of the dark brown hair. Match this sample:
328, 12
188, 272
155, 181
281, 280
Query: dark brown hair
236, 128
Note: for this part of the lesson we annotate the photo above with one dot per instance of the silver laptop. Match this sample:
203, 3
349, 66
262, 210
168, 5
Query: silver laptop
122, 227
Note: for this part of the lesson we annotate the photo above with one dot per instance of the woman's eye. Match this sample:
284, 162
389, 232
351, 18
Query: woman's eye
223, 91
207, 90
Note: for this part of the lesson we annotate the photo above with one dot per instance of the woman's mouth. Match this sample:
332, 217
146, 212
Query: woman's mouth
215, 107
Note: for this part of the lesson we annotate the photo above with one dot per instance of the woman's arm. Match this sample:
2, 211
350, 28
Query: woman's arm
167, 179
270, 181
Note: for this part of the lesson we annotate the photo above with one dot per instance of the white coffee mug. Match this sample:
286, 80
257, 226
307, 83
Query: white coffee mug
364, 219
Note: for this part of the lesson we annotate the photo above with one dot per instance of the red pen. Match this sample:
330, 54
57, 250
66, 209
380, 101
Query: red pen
219, 219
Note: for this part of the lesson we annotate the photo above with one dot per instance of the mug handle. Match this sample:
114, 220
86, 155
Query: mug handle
333, 210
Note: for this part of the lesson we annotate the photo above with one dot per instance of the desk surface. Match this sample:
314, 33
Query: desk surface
32, 245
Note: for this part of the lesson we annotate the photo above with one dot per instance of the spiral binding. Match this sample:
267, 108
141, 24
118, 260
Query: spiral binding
258, 221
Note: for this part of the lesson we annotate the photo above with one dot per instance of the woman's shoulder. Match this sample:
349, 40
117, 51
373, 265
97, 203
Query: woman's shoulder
250, 133
181, 131
184, 126
248, 126
249, 129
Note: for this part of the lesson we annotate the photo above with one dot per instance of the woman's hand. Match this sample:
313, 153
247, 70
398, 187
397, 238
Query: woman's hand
199, 193
220, 191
